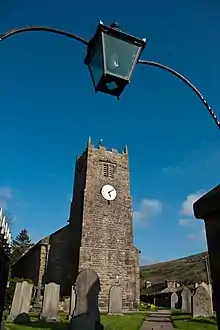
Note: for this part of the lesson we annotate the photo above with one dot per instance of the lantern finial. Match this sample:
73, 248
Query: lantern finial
115, 26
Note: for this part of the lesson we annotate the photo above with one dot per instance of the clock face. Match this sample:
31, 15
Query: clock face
108, 192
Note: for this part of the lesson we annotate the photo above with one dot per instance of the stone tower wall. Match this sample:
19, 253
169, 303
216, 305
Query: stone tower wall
76, 214
106, 231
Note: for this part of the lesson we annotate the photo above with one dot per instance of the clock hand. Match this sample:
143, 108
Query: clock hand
110, 192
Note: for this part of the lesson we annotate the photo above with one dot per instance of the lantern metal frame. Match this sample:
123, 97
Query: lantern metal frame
99, 40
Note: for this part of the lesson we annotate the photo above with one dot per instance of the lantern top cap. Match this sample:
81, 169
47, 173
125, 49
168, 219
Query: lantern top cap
115, 31
115, 25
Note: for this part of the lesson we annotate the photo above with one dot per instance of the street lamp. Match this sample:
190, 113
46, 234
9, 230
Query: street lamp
111, 58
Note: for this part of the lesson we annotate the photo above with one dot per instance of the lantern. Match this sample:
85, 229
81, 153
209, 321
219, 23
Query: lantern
111, 58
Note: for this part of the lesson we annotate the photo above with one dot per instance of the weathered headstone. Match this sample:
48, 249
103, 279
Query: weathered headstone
72, 303
173, 300
16, 303
86, 314
115, 300
2, 325
186, 300
23, 316
21, 303
61, 306
51, 302
202, 305
37, 306
66, 305
208, 287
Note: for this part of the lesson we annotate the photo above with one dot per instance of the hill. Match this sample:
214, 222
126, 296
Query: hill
187, 270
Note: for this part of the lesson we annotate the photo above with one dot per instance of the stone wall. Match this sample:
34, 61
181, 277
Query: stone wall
43, 262
114, 267
76, 214
105, 228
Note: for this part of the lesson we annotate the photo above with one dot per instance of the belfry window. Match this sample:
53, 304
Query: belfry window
105, 170
108, 170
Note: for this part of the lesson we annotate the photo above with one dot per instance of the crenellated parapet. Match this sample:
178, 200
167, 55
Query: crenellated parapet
101, 146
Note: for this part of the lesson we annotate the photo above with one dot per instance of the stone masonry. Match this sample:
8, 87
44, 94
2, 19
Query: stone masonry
99, 234
106, 231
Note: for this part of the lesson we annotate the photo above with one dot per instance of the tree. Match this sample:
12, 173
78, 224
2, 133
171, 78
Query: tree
20, 245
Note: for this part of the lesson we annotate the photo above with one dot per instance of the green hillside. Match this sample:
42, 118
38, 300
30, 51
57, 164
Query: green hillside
187, 270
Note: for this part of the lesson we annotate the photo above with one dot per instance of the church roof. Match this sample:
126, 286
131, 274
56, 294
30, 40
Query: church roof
43, 241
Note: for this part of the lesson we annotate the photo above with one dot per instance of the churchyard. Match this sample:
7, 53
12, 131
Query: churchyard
81, 310
126, 322
110, 300
134, 321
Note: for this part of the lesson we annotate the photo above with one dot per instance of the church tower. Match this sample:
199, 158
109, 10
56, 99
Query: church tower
101, 222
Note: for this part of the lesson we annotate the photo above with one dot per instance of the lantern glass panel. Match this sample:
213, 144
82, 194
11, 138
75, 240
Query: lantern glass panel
96, 65
120, 56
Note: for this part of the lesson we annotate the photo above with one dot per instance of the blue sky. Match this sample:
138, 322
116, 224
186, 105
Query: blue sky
48, 109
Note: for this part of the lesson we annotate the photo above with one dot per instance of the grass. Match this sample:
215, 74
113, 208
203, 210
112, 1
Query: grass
110, 322
183, 321
125, 322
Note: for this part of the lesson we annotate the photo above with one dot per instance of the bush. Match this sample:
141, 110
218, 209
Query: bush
151, 307
11, 289
142, 306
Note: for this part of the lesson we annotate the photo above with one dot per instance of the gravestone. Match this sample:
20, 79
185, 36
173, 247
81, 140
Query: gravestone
66, 305
23, 316
21, 303
115, 300
16, 303
61, 306
51, 302
72, 303
37, 306
186, 300
208, 287
2, 325
86, 314
173, 300
202, 305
